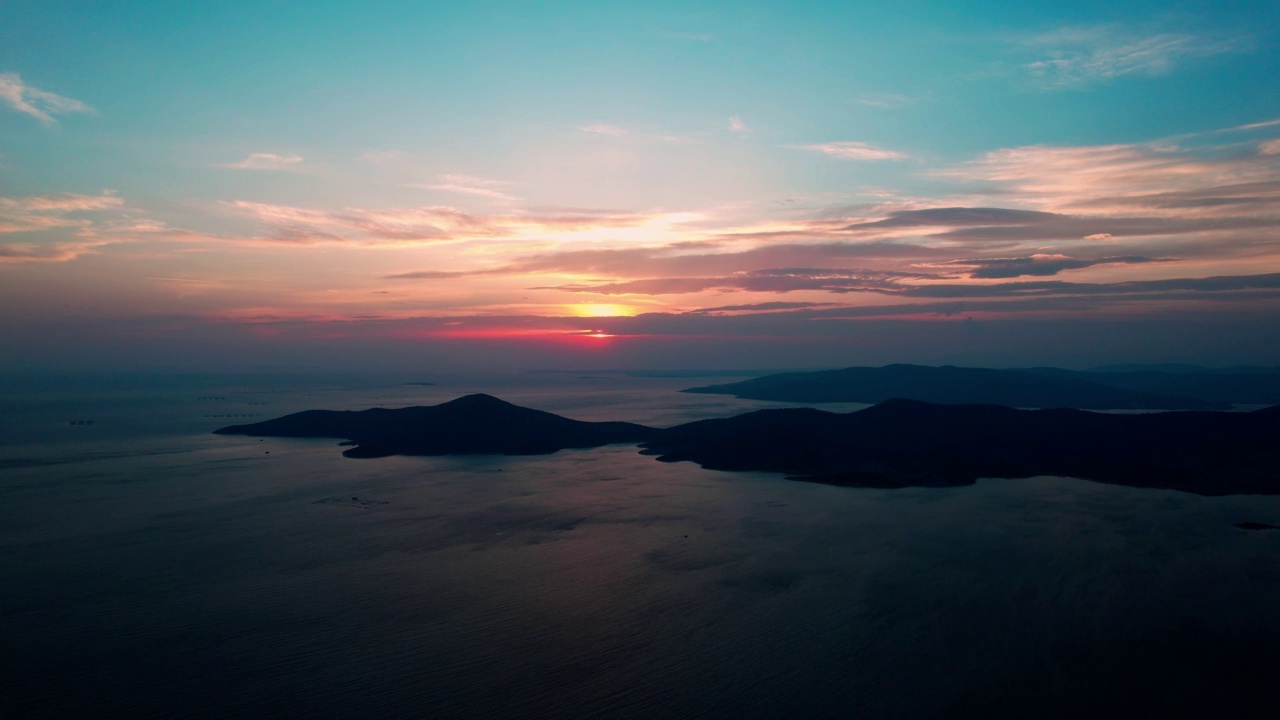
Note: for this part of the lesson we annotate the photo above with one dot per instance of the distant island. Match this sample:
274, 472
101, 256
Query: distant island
423, 384
1122, 389
903, 443
472, 425
898, 443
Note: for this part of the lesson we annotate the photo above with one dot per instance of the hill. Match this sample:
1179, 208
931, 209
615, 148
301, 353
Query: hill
471, 425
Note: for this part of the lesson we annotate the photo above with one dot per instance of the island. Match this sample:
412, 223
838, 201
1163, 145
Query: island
476, 424
901, 443
1028, 388
895, 444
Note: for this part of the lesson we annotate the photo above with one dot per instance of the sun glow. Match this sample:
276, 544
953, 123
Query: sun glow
601, 310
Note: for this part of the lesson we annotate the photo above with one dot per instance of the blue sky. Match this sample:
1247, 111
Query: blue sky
513, 166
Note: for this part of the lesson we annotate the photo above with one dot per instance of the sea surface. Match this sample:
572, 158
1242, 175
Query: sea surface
149, 568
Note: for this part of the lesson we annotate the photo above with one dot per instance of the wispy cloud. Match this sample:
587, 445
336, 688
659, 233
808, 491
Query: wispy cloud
787, 280
47, 252
603, 129
267, 161
850, 150
433, 224
382, 158
469, 185
1077, 56
61, 227
885, 101
737, 125
1270, 147
761, 307
1148, 178
770, 280
44, 212
1038, 265
1251, 126
39, 104
1149, 206
638, 136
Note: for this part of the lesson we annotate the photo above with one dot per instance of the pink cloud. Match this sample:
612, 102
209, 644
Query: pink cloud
850, 150
46, 212
603, 129
267, 161
39, 104
446, 224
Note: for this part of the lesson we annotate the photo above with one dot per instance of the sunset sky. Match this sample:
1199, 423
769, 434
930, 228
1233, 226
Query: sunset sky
682, 184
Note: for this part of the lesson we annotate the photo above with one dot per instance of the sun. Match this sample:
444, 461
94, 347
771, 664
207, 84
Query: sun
601, 310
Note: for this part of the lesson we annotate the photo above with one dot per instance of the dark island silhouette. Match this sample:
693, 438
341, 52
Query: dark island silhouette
901, 443
1029, 387
1243, 385
472, 425
898, 443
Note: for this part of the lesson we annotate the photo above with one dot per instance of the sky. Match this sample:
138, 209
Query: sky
214, 185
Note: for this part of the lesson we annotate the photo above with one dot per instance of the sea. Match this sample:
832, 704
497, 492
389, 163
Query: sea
152, 569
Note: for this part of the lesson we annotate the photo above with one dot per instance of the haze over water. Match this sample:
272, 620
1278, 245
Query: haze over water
151, 568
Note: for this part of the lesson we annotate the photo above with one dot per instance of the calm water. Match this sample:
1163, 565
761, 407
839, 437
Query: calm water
149, 568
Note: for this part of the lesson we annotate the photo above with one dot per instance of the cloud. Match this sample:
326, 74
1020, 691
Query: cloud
737, 125
885, 101
45, 212
603, 129
1270, 147
771, 280
438, 274
759, 307
1251, 126
57, 228
1031, 211
46, 252
977, 226
957, 217
617, 131
650, 261
39, 104
469, 185
1078, 56
1145, 288
1036, 265
267, 161
1118, 179
432, 224
382, 158
903, 285
849, 150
